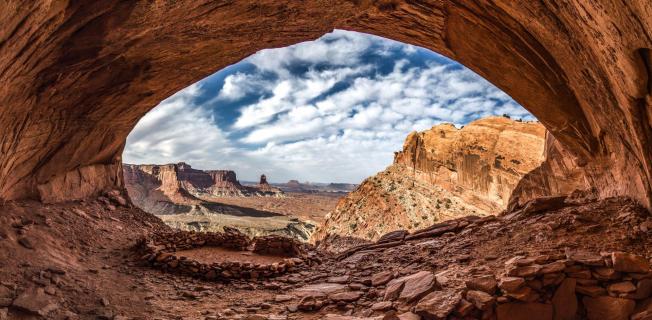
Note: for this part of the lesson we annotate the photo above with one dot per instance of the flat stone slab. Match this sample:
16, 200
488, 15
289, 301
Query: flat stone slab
321, 288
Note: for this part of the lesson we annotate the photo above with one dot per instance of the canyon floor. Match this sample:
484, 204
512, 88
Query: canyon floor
77, 261
296, 214
307, 206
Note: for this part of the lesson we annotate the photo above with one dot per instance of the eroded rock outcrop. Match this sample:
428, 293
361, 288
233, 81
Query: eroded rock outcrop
558, 175
441, 173
264, 186
183, 185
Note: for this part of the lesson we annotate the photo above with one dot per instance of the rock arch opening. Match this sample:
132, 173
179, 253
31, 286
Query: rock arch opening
331, 113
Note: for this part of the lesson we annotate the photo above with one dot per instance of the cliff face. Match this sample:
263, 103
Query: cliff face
441, 173
174, 188
481, 163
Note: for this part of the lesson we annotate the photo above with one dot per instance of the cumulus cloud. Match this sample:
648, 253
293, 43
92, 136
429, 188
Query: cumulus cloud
178, 130
333, 109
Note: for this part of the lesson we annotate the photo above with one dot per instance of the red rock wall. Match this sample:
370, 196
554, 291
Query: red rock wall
481, 163
559, 174
78, 75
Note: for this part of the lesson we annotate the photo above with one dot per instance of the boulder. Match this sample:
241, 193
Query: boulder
381, 306
393, 290
524, 311
437, 305
487, 284
627, 262
311, 302
621, 287
525, 271
606, 273
553, 267
35, 301
408, 316
525, 294
348, 296
608, 308
464, 308
591, 291
413, 286
564, 301
511, 284
480, 299
340, 279
393, 236
381, 278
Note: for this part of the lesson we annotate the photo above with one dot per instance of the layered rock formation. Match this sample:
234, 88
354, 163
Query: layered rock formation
264, 186
79, 75
441, 173
188, 199
184, 185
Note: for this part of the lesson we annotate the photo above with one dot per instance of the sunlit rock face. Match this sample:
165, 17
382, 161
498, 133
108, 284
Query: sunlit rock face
179, 185
78, 75
441, 173
482, 162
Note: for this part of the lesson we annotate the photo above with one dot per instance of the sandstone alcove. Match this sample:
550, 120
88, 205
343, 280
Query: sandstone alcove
79, 75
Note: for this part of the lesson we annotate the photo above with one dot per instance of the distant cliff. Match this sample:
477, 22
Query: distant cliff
312, 187
175, 188
441, 173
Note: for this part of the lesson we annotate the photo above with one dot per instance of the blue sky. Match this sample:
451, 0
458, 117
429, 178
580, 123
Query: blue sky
330, 110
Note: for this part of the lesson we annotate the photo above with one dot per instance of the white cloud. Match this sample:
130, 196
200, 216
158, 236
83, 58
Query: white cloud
177, 130
239, 85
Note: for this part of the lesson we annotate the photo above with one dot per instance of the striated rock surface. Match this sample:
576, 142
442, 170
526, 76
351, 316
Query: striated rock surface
184, 185
440, 174
560, 174
481, 163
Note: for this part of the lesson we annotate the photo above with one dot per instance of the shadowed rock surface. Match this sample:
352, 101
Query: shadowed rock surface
79, 75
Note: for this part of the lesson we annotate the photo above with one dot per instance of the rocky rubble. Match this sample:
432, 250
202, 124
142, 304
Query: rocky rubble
580, 285
554, 258
548, 259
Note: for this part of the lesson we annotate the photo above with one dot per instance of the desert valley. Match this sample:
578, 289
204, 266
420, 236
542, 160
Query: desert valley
340, 160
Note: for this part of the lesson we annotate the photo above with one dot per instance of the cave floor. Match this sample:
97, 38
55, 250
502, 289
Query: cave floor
210, 255
75, 261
